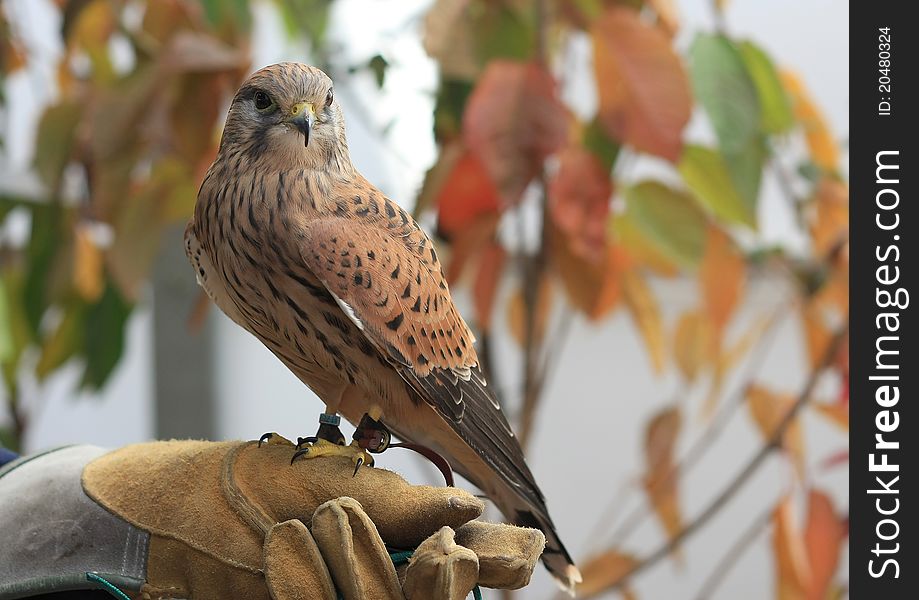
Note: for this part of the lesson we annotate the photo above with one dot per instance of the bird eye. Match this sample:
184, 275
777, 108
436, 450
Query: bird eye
262, 100
328, 99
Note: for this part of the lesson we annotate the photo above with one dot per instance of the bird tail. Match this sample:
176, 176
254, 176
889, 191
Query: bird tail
525, 513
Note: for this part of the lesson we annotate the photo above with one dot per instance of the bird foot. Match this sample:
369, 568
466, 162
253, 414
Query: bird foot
320, 447
372, 435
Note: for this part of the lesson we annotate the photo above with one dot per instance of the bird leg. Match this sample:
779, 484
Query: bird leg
372, 435
329, 441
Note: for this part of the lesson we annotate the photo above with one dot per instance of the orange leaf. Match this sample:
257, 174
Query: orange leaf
512, 122
644, 92
793, 574
693, 344
593, 289
824, 535
768, 409
516, 312
722, 275
727, 358
836, 413
603, 571
830, 223
823, 149
579, 200
646, 314
817, 334
491, 265
660, 480
466, 243
466, 195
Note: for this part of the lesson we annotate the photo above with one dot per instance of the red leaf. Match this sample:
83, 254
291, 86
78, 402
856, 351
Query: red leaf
579, 200
644, 93
512, 122
466, 196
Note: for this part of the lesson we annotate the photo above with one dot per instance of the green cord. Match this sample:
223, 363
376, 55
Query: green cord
108, 587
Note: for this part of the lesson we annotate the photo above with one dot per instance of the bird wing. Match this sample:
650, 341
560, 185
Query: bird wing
384, 273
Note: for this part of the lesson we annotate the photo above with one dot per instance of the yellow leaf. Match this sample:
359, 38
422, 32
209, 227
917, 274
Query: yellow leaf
693, 344
592, 289
491, 265
660, 480
602, 571
644, 309
722, 275
792, 569
768, 409
449, 38
823, 148
817, 334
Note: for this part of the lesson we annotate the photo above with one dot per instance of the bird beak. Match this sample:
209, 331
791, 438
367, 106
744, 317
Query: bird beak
302, 116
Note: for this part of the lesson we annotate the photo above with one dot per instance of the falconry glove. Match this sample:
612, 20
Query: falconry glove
208, 520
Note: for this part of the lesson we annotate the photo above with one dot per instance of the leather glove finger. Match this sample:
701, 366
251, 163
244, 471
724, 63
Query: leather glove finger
354, 552
441, 569
507, 554
294, 568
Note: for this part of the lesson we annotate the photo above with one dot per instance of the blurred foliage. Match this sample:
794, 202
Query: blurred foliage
122, 149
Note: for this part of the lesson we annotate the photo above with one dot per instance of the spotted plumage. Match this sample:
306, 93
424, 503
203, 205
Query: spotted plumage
345, 288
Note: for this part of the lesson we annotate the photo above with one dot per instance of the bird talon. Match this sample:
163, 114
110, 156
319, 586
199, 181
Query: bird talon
357, 466
266, 437
299, 453
301, 441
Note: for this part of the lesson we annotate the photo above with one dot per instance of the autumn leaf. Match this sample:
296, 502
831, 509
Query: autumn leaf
449, 39
603, 571
628, 235
193, 52
516, 312
467, 195
722, 276
823, 149
693, 344
466, 244
644, 92
830, 223
591, 288
817, 333
579, 202
88, 274
727, 358
668, 15
669, 219
660, 480
645, 312
835, 412
768, 409
824, 535
491, 266
793, 573
512, 122
706, 173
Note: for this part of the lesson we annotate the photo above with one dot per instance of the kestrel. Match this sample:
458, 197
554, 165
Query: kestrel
345, 288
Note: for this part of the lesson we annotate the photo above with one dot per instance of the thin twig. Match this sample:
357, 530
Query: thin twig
730, 558
717, 425
735, 485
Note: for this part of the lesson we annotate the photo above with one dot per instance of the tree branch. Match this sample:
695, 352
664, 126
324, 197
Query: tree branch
772, 444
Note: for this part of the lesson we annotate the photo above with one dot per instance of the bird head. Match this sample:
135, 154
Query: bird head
287, 114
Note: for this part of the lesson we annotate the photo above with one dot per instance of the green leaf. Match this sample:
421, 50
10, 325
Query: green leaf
600, 144
503, 30
65, 342
745, 168
448, 108
706, 173
105, 325
7, 344
378, 66
668, 218
54, 142
44, 243
777, 115
726, 91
